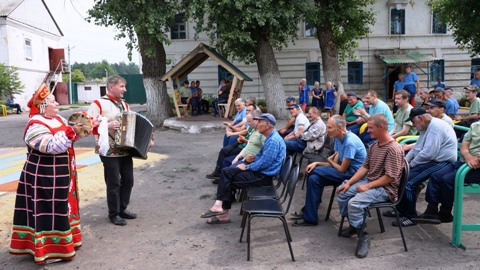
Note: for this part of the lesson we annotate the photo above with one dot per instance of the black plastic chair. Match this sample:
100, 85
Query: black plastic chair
270, 208
389, 204
270, 192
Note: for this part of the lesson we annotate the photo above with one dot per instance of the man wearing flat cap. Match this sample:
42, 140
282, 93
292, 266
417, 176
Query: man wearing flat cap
257, 170
436, 147
289, 126
473, 113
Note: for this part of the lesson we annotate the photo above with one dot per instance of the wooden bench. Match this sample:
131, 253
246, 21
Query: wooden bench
178, 100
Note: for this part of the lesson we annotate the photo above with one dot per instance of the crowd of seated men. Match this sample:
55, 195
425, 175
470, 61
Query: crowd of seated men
365, 166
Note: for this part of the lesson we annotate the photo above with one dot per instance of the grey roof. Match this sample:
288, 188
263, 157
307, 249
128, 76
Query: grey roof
7, 6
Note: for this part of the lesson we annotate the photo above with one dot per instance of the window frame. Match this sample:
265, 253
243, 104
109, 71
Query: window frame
357, 73
176, 31
312, 29
434, 73
474, 66
313, 74
28, 49
437, 24
401, 13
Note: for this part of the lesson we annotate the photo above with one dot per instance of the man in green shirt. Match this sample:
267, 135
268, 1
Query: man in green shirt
402, 127
466, 121
353, 103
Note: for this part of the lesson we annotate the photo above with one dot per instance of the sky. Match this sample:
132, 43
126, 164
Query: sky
88, 42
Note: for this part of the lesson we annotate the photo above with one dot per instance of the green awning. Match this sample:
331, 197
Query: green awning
404, 58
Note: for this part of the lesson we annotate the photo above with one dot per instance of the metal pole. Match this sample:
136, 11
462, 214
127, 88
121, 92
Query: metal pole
106, 73
69, 77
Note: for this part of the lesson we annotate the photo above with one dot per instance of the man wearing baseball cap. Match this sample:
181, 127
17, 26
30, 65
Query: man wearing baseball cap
440, 93
436, 147
257, 170
474, 111
436, 107
289, 126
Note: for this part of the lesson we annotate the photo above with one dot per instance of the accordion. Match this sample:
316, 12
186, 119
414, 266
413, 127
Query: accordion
134, 134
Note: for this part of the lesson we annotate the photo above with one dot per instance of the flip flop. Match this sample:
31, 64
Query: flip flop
296, 215
210, 213
215, 220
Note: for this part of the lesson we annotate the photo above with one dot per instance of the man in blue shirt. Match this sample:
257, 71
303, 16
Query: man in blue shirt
476, 81
348, 157
449, 96
439, 83
259, 170
397, 86
411, 83
440, 93
11, 103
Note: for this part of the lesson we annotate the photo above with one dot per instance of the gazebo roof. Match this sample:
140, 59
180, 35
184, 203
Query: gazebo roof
196, 57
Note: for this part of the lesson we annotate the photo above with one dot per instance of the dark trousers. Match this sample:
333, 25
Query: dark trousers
441, 187
234, 178
205, 105
118, 174
230, 150
16, 106
215, 105
288, 131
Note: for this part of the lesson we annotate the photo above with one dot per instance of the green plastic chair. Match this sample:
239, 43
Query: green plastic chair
460, 189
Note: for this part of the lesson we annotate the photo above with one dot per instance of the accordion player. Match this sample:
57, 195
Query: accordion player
134, 134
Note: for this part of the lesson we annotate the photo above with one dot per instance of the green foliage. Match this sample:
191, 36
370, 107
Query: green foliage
261, 102
462, 101
462, 17
77, 76
348, 20
146, 19
9, 81
235, 27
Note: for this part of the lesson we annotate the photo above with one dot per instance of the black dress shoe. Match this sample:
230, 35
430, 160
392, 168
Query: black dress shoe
128, 215
118, 220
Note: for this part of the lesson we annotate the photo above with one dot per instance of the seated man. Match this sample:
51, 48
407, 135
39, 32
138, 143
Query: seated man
223, 94
203, 102
424, 95
238, 126
440, 93
301, 123
259, 171
436, 108
185, 94
402, 127
376, 107
436, 147
474, 111
11, 103
195, 100
233, 149
311, 140
291, 121
355, 128
348, 157
353, 104
449, 95
377, 180
441, 187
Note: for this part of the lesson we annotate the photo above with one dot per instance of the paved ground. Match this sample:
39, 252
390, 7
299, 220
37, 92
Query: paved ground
171, 192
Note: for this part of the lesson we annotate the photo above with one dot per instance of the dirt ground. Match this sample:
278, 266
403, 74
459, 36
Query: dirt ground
171, 192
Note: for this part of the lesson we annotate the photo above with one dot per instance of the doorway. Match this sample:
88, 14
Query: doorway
103, 91
392, 71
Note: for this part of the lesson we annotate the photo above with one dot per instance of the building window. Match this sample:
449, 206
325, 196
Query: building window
437, 69
310, 30
397, 21
28, 49
312, 72
179, 28
475, 67
88, 88
224, 74
438, 27
355, 72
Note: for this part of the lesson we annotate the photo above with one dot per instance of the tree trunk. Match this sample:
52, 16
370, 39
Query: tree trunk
330, 63
271, 80
153, 68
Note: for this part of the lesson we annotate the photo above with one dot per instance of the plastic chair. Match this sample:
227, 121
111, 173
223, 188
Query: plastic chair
270, 192
393, 205
460, 189
270, 209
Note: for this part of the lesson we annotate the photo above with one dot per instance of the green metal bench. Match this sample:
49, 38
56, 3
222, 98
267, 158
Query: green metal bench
460, 190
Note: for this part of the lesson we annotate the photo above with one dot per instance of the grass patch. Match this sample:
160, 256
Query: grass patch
63, 109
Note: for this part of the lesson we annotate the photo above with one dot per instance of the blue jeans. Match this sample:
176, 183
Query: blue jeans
295, 145
418, 175
215, 105
355, 128
441, 187
352, 203
319, 178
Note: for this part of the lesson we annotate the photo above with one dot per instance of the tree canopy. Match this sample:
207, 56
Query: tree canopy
463, 18
10, 81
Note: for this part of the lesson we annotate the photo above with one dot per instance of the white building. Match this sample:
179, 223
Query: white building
87, 92
403, 29
29, 40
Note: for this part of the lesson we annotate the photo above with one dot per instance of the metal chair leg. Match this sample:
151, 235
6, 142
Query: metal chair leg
380, 221
341, 226
289, 238
331, 203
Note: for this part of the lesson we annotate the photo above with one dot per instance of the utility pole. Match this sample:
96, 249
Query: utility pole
70, 98
106, 73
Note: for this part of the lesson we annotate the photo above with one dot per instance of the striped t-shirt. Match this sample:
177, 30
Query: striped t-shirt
387, 159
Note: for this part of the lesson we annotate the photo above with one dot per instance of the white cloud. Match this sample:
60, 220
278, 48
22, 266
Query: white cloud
90, 43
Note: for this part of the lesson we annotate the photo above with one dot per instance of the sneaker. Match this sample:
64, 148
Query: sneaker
445, 218
406, 222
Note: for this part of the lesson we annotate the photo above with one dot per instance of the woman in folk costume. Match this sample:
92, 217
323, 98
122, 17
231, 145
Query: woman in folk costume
46, 222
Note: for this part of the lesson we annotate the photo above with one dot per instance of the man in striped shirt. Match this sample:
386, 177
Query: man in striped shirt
376, 181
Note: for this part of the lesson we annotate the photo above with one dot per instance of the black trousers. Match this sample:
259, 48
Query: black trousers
118, 174
229, 150
234, 178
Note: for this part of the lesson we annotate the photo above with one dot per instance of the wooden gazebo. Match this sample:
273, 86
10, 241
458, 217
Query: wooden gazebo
194, 59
